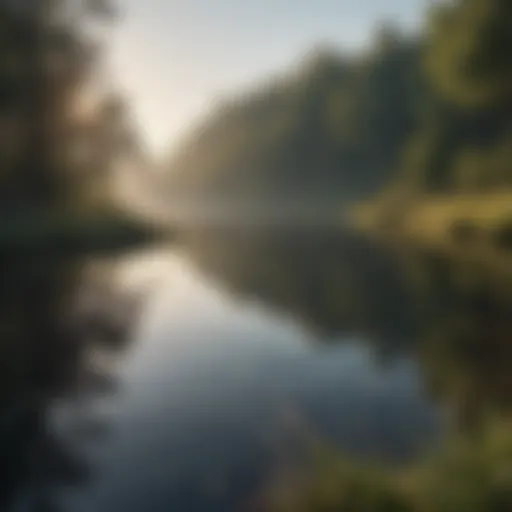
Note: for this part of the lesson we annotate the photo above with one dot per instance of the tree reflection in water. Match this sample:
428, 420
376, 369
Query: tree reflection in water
451, 313
56, 334
454, 316
61, 329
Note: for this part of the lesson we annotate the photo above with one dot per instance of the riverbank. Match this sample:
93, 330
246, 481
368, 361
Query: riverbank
463, 476
72, 232
481, 223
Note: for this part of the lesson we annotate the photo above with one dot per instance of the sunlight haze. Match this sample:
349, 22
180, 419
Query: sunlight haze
175, 57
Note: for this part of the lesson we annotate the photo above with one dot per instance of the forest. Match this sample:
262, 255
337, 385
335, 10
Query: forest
421, 114
412, 132
64, 130
417, 129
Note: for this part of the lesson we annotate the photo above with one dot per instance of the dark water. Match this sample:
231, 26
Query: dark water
178, 378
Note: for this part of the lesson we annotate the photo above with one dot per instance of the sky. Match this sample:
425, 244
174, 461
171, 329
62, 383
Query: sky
174, 58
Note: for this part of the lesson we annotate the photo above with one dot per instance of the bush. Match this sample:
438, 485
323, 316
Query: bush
464, 231
502, 236
470, 474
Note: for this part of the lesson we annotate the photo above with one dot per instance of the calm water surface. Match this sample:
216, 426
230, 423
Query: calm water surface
182, 376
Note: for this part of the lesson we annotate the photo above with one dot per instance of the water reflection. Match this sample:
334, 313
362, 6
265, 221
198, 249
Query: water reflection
54, 343
451, 314
248, 338
333, 283
217, 386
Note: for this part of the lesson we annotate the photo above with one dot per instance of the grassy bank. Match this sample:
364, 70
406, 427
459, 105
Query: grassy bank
467, 475
480, 224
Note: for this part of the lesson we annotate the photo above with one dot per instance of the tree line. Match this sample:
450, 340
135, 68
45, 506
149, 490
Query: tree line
427, 112
62, 130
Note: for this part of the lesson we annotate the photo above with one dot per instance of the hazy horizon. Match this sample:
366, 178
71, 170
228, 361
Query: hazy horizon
213, 48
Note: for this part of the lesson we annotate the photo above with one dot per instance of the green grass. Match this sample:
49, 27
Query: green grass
475, 226
468, 474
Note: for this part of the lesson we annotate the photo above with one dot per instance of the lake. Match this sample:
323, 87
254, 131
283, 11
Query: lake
185, 377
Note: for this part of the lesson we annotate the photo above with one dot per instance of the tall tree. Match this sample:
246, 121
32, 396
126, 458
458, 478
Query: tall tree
49, 63
470, 55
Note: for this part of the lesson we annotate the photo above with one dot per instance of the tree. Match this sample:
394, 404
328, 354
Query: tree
465, 121
470, 56
49, 64
333, 128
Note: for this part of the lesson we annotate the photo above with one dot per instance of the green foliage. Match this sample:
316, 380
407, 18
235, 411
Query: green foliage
464, 140
56, 135
467, 475
426, 113
334, 127
470, 51
470, 475
338, 485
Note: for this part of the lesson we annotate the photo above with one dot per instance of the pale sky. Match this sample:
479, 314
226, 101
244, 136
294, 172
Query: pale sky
174, 57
